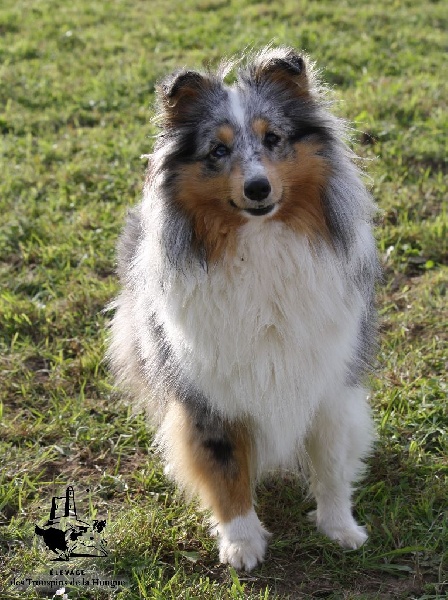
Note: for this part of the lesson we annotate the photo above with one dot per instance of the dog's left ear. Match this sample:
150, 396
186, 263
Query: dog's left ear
283, 66
179, 93
181, 84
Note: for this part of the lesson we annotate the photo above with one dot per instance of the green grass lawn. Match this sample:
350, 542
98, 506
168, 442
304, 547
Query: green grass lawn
76, 88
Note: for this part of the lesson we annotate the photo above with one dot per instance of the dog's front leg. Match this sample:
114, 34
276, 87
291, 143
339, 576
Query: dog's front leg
341, 437
214, 459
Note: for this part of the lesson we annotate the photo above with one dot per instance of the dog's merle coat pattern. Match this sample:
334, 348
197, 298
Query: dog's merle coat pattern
254, 315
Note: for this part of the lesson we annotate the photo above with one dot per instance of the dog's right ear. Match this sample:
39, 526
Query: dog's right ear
179, 93
282, 66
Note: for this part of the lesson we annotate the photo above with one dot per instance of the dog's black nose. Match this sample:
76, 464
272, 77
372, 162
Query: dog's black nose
257, 189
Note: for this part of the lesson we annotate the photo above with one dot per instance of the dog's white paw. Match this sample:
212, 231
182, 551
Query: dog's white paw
242, 541
242, 554
347, 533
350, 537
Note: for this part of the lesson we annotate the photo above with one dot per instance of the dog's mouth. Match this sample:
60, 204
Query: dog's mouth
265, 210
256, 212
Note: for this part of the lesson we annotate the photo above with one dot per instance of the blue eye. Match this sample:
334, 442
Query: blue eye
220, 151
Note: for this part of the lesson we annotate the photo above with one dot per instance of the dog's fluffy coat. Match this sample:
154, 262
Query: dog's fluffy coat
246, 320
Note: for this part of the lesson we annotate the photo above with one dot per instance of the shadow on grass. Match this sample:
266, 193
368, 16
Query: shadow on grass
404, 509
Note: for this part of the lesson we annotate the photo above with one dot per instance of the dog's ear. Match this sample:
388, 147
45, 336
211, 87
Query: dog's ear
179, 92
181, 84
283, 66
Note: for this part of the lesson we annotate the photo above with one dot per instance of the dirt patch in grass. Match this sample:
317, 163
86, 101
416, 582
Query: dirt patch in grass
294, 582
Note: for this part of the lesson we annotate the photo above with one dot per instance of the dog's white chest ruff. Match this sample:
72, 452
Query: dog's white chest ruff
265, 335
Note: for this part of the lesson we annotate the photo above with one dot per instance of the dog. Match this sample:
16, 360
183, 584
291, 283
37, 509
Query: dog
246, 321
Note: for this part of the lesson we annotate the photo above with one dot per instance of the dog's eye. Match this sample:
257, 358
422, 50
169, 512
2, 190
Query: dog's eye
220, 151
271, 139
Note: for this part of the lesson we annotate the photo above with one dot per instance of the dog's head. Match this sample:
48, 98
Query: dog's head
256, 149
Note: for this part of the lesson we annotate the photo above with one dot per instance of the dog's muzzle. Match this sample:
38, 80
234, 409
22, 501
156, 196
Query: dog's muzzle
258, 190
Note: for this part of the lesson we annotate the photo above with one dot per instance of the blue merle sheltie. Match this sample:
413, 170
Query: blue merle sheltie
246, 320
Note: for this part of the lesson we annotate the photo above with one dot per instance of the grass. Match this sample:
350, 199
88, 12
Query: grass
77, 83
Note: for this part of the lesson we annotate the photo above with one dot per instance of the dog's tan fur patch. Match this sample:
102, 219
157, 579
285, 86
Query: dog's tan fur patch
302, 180
206, 200
226, 489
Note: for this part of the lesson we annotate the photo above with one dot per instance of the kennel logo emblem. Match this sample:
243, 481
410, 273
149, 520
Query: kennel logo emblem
66, 535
